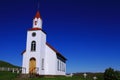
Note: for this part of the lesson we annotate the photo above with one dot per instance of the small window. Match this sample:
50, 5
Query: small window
33, 46
58, 65
42, 64
64, 67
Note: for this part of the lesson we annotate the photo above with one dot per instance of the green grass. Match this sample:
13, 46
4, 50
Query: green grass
13, 76
65, 78
58, 78
6, 64
5, 75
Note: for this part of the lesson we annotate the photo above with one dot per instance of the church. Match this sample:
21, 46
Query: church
40, 57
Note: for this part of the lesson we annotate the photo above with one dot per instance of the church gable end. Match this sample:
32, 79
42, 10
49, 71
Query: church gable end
57, 53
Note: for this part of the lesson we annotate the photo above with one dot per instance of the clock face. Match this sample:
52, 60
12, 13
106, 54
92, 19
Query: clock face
33, 34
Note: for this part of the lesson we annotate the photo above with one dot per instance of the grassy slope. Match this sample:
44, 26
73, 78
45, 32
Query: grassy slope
6, 64
4, 75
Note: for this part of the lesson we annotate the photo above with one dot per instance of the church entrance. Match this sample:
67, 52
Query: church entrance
32, 66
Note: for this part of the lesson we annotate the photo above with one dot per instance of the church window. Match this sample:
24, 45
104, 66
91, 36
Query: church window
64, 67
33, 46
42, 64
61, 65
58, 65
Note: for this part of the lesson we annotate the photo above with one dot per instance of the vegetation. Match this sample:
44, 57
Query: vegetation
13, 76
111, 74
5, 75
89, 76
6, 64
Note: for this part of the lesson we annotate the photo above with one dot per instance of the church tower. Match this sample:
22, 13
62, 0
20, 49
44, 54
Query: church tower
35, 47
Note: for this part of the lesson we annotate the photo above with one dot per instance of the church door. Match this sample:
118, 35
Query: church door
32, 65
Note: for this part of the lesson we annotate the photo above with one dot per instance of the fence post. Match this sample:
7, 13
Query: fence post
2, 68
17, 71
13, 70
8, 69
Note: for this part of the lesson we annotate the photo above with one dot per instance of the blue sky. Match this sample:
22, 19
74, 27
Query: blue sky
86, 32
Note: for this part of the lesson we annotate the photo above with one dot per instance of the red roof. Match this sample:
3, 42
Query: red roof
37, 15
35, 29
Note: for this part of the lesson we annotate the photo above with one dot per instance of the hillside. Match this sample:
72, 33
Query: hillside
6, 64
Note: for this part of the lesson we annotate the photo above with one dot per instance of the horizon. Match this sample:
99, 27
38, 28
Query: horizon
86, 32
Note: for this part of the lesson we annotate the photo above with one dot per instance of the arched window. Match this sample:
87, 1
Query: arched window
33, 46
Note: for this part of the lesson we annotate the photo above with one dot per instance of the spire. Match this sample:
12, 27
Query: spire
37, 15
37, 21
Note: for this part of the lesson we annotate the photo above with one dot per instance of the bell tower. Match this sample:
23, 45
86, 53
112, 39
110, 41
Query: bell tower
35, 47
37, 21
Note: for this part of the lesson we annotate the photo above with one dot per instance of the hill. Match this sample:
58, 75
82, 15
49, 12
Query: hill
6, 64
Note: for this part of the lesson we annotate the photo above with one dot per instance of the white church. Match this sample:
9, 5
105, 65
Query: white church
40, 57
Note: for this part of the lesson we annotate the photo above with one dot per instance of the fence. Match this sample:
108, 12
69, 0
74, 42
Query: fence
17, 70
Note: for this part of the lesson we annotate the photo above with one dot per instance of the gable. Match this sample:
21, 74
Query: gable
57, 53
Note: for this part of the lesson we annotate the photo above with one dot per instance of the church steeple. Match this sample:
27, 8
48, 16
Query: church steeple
37, 21
37, 15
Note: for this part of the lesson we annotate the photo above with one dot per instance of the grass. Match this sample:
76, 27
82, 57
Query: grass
59, 78
13, 76
5, 75
64, 78
75, 77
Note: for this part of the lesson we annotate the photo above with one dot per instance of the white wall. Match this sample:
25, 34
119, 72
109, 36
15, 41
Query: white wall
40, 39
51, 63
